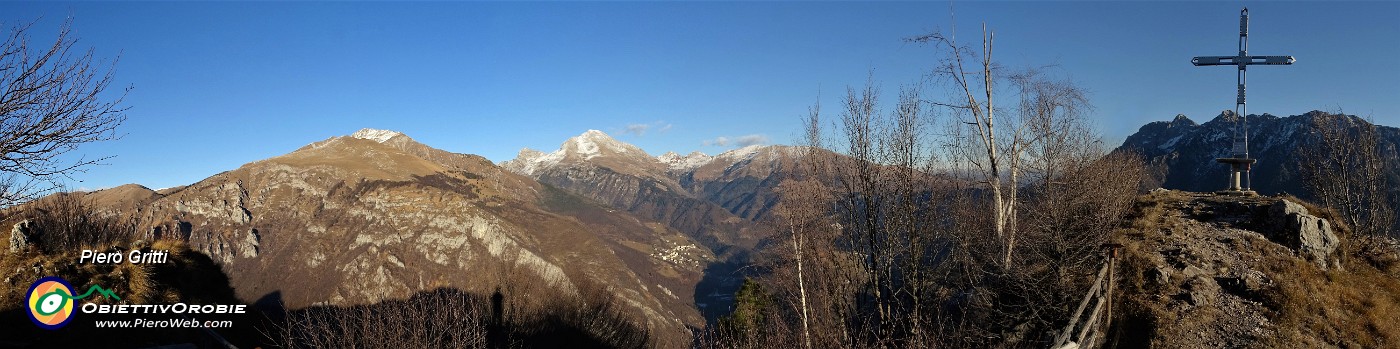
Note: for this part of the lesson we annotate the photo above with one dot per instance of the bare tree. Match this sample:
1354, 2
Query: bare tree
996, 161
1346, 169
812, 130
823, 299
51, 101
441, 318
891, 240
1058, 139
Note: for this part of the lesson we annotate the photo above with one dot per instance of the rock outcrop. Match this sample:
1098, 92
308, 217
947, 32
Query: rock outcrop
1195, 252
1206, 271
1309, 235
21, 236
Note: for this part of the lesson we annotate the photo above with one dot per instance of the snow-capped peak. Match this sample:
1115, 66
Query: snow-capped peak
688, 162
594, 143
380, 136
590, 144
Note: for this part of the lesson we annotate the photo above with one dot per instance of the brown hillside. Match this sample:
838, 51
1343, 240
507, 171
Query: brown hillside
354, 221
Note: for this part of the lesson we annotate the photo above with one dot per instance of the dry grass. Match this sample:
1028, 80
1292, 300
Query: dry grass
452, 318
1149, 216
1150, 209
1389, 262
135, 283
1352, 308
66, 224
370, 159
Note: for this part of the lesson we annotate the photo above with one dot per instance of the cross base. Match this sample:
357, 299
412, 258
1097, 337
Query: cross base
1236, 192
1238, 166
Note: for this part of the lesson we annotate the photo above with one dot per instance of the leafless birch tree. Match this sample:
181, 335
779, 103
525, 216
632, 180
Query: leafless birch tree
996, 161
902, 237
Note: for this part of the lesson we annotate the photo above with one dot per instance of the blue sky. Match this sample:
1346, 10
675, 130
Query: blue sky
221, 84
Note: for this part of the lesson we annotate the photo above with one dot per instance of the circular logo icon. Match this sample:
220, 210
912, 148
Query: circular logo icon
50, 302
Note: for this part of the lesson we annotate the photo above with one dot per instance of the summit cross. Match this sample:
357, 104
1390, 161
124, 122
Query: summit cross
1239, 159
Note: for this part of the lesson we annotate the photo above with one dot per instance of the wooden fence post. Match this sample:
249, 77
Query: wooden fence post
1112, 261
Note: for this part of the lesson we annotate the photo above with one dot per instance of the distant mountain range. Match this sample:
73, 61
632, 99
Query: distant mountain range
1189, 150
714, 199
720, 201
376, 215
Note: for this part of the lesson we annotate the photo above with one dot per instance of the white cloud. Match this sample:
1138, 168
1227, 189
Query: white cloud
722, 141
642, 129
636, 129
753, 139
741, 141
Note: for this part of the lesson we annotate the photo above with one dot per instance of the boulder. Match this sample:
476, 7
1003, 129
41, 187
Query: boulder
1296, 228
1201, 291
21, 236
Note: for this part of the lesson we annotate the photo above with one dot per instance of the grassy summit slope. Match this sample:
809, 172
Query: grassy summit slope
1205, 271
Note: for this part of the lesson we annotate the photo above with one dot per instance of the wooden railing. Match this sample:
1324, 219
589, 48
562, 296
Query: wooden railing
1101, 294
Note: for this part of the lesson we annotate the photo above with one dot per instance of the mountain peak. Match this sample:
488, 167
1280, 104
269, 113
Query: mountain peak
529, 153
597, 137
688, 162
1190, 152
584, 147
594, 143
1181, 119
376, 135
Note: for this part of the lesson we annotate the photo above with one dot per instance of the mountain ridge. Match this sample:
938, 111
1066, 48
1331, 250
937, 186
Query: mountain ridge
374, 215
1188, 150
722, 201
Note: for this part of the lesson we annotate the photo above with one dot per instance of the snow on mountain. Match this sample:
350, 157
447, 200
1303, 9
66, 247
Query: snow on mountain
594, 146
740, 154
376, 135
1170, 142
684, 163
1189, 149
584, 147
530, 161
594, 143
668, 157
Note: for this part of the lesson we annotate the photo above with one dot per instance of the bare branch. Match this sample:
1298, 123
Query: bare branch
51, 101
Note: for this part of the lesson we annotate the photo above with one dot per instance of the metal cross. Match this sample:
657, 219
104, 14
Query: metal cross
1239, 159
